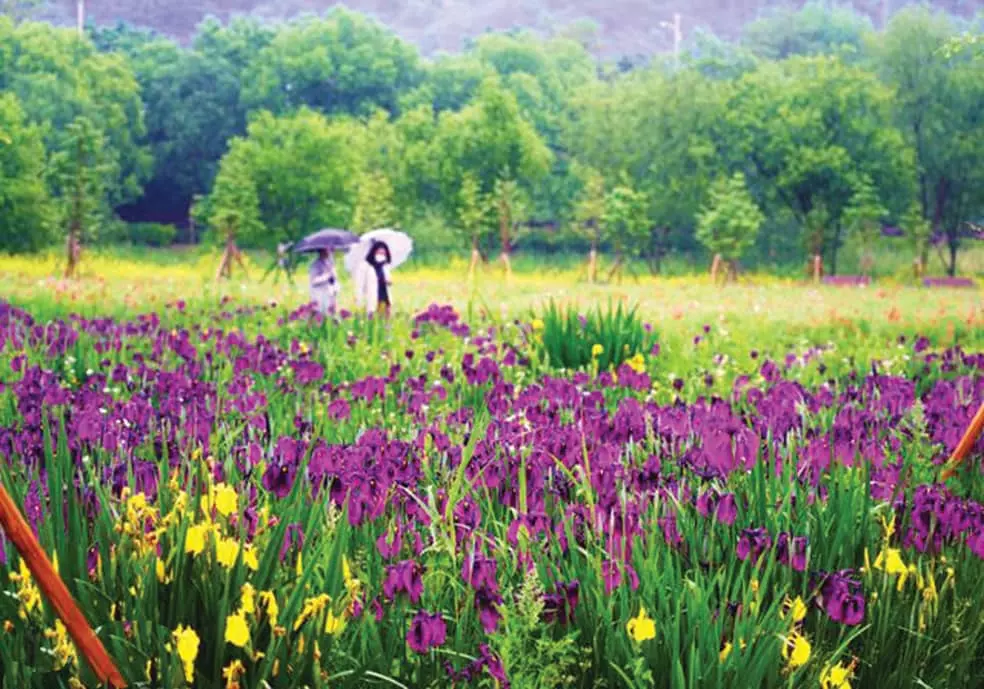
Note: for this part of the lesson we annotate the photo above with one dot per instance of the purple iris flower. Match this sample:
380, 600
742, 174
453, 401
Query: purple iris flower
426, 631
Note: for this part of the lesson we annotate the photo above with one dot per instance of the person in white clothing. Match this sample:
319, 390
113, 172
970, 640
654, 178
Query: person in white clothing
372, 280
324, 282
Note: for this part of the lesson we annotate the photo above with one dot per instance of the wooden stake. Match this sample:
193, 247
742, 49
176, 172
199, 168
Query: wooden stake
965, 444
715, 266
54, 590
817, 268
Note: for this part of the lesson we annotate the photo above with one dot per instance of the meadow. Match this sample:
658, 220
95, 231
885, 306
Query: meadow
528, 483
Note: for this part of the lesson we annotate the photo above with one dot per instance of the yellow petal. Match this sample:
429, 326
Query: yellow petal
237, 631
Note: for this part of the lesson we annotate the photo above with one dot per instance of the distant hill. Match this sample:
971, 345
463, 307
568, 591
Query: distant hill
623, 27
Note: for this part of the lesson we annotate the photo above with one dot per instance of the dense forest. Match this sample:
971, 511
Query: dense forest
808, 130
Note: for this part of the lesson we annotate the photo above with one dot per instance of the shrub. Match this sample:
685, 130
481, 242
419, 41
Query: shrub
569, 339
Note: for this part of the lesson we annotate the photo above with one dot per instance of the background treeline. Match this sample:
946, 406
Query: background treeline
811, 132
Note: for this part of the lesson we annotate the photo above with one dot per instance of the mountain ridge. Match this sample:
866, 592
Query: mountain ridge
623, 27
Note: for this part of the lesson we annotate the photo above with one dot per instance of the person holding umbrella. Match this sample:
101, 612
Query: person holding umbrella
322, 277
324, 281
370, 262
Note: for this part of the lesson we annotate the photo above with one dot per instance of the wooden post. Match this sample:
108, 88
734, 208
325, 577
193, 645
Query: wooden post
54, 590
592, 265
817, 268
715, 267
966, 443
475, 257
507, 263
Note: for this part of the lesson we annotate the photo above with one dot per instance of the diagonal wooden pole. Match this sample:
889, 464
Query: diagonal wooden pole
965, 444
54, 590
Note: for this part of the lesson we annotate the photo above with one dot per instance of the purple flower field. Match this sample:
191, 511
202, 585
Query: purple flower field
253, 497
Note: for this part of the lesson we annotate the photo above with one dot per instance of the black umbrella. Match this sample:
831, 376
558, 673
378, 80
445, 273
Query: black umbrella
329, 239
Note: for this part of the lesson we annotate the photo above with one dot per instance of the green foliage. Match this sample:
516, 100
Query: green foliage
151, 234
863, 215
60, 78
806, 129
25, 210
730, 222
938, 107
342, 63
625, 219
473, 211
531, 655
233, 210
917, 230
374, 203
80, 175
306, 170
566, 338
589, 211
818, 28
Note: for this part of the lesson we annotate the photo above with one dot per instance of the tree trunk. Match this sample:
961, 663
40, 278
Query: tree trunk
732, 270
817, 268
475, 257
951, 265
504, 257
715, 266
73, 250
833, 250
592, 264
228, 256
616, 270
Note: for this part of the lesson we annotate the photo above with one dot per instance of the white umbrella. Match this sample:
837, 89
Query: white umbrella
399, 244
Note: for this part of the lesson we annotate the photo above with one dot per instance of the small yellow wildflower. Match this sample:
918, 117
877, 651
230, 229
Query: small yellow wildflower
269, 602
187, 641
596, 351
237, 631
312, 606
352, 585
333, 625
836, 677
637, 363
8, 626
797, 608
226, 551
796, 650
537, 325
725, 652
249, 601
64, 648
890, 560
250, 559
27, 591
226, 500
232, 672
195, 539
641, 628
161, 572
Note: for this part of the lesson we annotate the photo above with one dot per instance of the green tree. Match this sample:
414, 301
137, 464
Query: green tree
473, 217
80, 177
918, 232
730, 221
374, 203
60, 77
25, 218
863, 217
491, 141
625, 222
511, 209
817, 28
343, 62
306, 169
938, 106
806, 129
233, 209
589, 213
